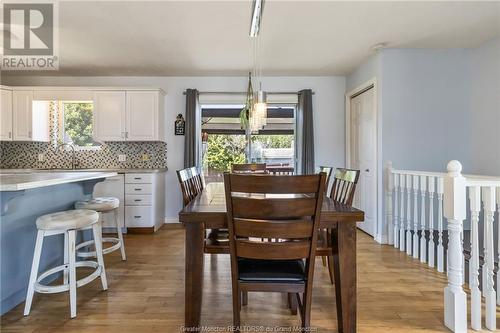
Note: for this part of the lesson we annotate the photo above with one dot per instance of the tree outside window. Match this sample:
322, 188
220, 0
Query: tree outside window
78, 123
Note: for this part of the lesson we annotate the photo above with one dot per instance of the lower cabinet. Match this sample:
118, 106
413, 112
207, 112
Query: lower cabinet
142, 200
145, 200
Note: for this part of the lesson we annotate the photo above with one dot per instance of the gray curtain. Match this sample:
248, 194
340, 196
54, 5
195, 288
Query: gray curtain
192, 140
305, 133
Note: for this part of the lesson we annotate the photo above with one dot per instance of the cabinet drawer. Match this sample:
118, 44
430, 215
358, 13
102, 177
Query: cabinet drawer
138, 200
138, 189
138, 178
138, 216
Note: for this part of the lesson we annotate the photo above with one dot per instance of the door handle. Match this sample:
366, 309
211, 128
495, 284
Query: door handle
367, 170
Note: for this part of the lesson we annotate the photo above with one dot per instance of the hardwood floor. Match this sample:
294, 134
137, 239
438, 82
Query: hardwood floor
146, 294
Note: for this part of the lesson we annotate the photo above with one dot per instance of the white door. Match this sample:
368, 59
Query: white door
22, 106
6, 115
112, 187
109, 116
142, 115
364, 157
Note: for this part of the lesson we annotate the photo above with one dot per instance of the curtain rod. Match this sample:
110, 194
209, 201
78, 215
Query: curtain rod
244, 92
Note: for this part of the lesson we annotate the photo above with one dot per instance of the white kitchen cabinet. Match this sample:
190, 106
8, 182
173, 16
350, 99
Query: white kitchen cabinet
30, 121
145, 200
112, 187
142, 115
131, 115
109, 115
6, 115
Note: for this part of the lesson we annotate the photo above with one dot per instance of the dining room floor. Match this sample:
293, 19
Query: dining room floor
146, 294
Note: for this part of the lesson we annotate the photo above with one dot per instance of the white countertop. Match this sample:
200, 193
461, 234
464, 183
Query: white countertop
24, 181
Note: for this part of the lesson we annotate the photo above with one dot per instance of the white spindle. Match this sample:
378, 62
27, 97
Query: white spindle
455, 299
390, 186
475, 207
396, 219
402, 186
498, 245
415, 216
431, 221
490, 296
423, 242
440, 248
408, 215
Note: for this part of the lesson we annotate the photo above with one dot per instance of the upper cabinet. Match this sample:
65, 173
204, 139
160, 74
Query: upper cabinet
132, 115
109, 115
30, 121
6, 115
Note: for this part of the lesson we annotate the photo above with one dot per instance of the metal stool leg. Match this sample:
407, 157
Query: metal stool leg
96, 228
120, 235
72, 271
34, 271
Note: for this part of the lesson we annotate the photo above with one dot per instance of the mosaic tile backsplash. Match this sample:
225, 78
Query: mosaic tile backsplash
24, 155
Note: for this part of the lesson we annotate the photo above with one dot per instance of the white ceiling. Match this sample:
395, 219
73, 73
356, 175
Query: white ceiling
297, 37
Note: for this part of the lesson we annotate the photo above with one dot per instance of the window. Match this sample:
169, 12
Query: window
224, 142
76, 123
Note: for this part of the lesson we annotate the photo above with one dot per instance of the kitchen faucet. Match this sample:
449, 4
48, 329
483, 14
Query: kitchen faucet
73, 160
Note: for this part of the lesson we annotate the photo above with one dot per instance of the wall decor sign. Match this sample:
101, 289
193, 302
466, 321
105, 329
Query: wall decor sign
180, 125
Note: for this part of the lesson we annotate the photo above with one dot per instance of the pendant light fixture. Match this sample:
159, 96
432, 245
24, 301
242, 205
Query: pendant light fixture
258, 114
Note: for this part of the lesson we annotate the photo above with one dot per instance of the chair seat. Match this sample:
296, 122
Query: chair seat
279, 271
67, 220
100, 204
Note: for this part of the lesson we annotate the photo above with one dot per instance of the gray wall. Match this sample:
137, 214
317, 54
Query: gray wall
485, 108
435, 106
328, 104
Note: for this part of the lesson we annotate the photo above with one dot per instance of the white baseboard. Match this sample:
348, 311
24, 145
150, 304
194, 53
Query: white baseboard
171, 220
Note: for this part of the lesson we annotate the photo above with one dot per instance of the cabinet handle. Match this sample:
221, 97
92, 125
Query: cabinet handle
29, 134
126, 135
137, 216
138, 200
137, 178
10, 135
137, 189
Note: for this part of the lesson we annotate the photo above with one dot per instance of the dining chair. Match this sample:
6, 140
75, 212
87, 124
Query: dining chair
191, 181
328, 170
343, 190
249, 168
280, 169
286, 209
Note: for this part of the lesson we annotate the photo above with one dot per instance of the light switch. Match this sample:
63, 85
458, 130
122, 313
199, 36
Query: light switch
41, 157
122, 158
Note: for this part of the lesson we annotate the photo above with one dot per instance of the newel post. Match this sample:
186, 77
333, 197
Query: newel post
388, 202
455, 299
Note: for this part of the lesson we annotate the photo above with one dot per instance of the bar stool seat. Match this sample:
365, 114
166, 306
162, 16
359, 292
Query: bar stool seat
102, 205
67, 223
72, 219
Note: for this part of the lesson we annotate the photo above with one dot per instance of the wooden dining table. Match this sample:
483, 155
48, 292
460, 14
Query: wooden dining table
208, 211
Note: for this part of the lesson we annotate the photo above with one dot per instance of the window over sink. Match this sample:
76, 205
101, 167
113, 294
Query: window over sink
75, 119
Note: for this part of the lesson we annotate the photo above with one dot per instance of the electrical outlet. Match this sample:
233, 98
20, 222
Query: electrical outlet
122, 158
41, 157
145, 157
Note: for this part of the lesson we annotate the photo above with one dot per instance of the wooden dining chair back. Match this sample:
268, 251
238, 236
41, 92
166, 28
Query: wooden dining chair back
328, 170
249, 168
273, 223
191, 183
344, 185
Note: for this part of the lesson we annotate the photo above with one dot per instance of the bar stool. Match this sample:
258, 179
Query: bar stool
102, 205
67, 223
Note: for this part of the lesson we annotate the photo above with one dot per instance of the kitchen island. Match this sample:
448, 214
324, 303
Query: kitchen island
24, 197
